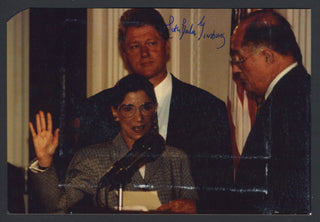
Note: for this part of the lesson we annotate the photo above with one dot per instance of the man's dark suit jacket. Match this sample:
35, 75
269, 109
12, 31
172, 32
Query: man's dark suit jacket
274, 170
16, 189
198, 124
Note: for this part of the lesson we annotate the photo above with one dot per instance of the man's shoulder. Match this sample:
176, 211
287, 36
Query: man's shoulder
101, 96
298, 74
190, 92
178, 84
295, 83
96, 104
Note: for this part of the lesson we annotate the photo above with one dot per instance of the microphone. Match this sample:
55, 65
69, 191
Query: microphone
148, 148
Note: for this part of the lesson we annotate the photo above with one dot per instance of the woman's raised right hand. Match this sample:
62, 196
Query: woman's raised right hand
45, 143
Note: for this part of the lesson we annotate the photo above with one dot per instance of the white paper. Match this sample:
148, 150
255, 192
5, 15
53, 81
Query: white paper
140, 200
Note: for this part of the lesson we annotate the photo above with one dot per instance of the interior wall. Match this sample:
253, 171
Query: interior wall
104, 63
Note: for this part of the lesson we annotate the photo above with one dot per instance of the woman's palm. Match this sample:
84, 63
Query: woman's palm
45, 143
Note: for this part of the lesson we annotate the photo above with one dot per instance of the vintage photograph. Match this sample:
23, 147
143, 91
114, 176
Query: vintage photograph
159, 111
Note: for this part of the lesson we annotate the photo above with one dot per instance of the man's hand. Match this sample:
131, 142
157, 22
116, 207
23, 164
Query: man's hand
183, 206
45, 143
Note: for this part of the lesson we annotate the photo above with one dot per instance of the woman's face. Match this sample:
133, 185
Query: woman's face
135, 114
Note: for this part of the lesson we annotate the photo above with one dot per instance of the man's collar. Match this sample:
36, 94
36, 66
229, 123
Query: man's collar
278, 77
163, 87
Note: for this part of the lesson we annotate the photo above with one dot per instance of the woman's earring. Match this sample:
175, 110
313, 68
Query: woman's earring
155, 126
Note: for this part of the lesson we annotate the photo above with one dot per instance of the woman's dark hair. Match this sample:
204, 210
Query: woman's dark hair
138, 17
132, 83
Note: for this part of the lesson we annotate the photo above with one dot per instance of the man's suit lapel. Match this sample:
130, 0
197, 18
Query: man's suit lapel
255, 136
257, 151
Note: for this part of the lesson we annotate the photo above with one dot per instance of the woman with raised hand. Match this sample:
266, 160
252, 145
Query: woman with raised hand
162, 183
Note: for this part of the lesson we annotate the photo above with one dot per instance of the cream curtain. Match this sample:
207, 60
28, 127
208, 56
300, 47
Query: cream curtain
104, 63
18, 89
300, 20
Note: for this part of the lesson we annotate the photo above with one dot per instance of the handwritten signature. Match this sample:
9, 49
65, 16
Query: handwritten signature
184, 28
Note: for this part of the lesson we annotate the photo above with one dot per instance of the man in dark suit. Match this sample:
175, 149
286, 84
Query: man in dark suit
273, 175
189, 118
16, 189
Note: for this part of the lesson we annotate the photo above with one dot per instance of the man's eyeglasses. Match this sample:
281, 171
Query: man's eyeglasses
238, 61
128, 110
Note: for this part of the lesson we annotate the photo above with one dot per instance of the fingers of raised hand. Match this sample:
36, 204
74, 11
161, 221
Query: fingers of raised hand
38, 125
33, 132
42, 121
55, 140
41, 124
45, 143
49, 118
